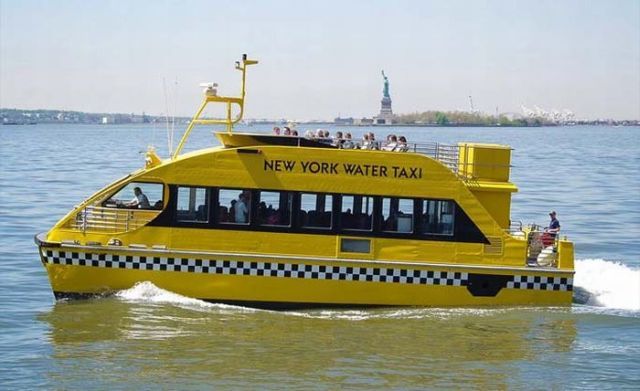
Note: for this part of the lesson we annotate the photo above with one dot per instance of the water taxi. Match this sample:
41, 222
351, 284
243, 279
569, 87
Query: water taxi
282, 222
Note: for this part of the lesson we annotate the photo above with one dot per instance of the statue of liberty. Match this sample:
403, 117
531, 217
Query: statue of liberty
385, 91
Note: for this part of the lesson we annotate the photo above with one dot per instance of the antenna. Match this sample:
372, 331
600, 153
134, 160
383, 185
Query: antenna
166, 116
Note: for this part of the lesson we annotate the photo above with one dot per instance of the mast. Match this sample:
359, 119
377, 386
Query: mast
211, 96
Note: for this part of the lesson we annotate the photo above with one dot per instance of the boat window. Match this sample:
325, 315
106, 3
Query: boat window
192, 204
437, 217
397, 215
348, 245
234, 206
315, 210
274, 208
137, 195
356, 212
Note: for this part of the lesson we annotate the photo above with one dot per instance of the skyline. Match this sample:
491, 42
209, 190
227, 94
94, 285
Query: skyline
318, 61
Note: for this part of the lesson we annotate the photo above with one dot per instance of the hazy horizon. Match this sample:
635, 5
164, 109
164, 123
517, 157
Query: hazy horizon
321, 60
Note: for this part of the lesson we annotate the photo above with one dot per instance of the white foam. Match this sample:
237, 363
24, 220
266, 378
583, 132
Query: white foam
146, 292
609, 284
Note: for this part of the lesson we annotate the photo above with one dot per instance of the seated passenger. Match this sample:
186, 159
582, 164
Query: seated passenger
140, 200
337, 140
287, 131
294, 133
276, 131
373, 144
392, 143
402, 145
365, 141
348, 143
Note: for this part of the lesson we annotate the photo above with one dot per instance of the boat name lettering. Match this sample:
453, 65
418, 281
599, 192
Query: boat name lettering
353, 169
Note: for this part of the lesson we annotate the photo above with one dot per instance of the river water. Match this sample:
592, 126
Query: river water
145, 337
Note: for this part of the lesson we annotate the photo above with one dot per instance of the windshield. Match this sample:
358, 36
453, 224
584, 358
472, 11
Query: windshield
137, 195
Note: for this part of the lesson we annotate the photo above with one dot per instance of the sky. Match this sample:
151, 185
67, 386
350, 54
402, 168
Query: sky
321, 59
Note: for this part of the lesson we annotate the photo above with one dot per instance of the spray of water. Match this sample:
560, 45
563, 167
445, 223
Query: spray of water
608, 284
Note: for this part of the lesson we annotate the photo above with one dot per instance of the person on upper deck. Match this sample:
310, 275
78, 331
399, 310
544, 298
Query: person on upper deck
140, 200
365, 141
373, 144
348, 142
392, 143
338, 140
402, 145
276, 131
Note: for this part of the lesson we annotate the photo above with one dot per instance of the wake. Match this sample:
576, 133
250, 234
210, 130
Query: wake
603, 283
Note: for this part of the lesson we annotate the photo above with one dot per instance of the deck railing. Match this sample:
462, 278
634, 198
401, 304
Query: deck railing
103, 219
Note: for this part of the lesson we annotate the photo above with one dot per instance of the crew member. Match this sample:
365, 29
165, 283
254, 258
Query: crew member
140, 200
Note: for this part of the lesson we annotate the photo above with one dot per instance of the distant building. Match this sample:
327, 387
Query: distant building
343, 121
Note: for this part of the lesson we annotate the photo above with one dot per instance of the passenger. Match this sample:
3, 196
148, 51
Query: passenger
373, 144
365, 141
319, 134
348, 142
549, 236
262, 212
232, 209
338, 140
554, 224
309, 134
287, 131
140, 200
241, 211
392, 143
276, 131
402, 145
294, 133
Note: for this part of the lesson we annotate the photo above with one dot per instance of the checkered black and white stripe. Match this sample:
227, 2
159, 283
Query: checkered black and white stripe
291, 270
541, 283
268, 269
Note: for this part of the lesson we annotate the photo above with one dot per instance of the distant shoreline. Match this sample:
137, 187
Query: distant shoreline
13, 117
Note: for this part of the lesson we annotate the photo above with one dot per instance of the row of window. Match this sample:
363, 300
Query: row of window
313, 211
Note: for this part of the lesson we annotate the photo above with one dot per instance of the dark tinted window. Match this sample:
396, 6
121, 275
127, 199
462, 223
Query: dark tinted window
356, 212
437, 217
315, 210
274, 208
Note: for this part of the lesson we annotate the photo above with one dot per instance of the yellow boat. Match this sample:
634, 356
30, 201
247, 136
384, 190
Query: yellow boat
292, 222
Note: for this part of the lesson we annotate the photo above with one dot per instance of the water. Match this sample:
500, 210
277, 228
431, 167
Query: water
145, 337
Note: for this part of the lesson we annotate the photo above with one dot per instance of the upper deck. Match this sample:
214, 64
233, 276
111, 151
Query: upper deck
470, 162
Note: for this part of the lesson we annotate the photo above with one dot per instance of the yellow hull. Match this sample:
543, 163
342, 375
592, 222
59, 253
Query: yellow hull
293, 282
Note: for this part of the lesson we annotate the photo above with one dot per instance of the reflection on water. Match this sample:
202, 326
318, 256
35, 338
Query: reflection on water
227, 346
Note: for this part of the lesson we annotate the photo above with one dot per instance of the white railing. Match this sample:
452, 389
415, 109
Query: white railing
103, 219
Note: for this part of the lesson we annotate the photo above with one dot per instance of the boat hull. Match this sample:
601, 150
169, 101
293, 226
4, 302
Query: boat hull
283, 282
